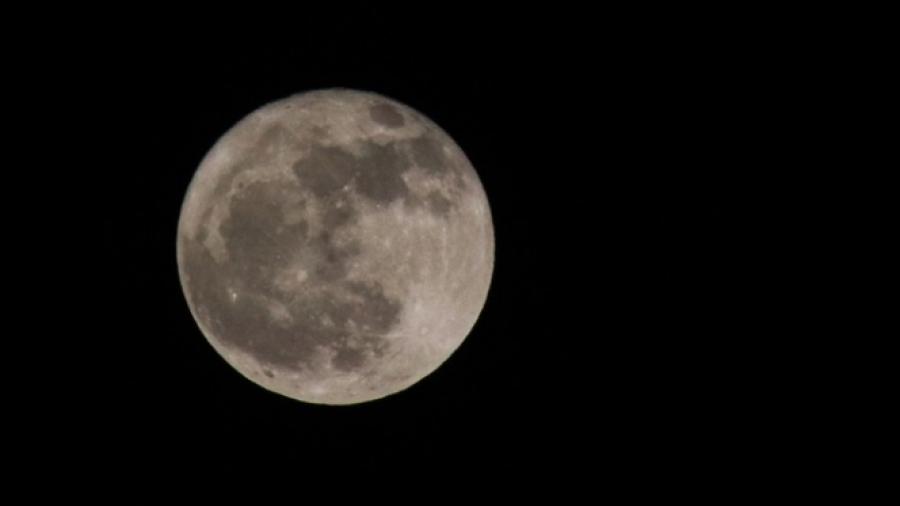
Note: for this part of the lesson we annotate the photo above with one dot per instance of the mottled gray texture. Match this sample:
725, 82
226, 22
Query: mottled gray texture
429, 154
376, 174
271, 265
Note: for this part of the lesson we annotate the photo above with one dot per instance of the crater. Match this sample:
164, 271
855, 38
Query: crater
387, 115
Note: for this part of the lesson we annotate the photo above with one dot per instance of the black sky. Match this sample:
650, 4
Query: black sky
618, 155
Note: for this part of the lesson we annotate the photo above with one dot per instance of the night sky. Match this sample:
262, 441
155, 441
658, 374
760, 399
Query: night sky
617, 156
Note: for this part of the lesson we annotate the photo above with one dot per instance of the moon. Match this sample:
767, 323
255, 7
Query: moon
335, 246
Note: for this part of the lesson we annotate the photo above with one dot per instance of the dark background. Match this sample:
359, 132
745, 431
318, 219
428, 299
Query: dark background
621, 157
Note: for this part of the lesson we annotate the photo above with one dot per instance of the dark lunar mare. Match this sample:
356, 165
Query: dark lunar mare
377, 174
346, 316
387, 115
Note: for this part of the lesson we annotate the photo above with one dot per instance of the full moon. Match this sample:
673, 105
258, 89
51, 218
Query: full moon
335, 246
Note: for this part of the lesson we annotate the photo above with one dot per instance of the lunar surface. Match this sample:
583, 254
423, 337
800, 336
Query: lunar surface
335, 246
